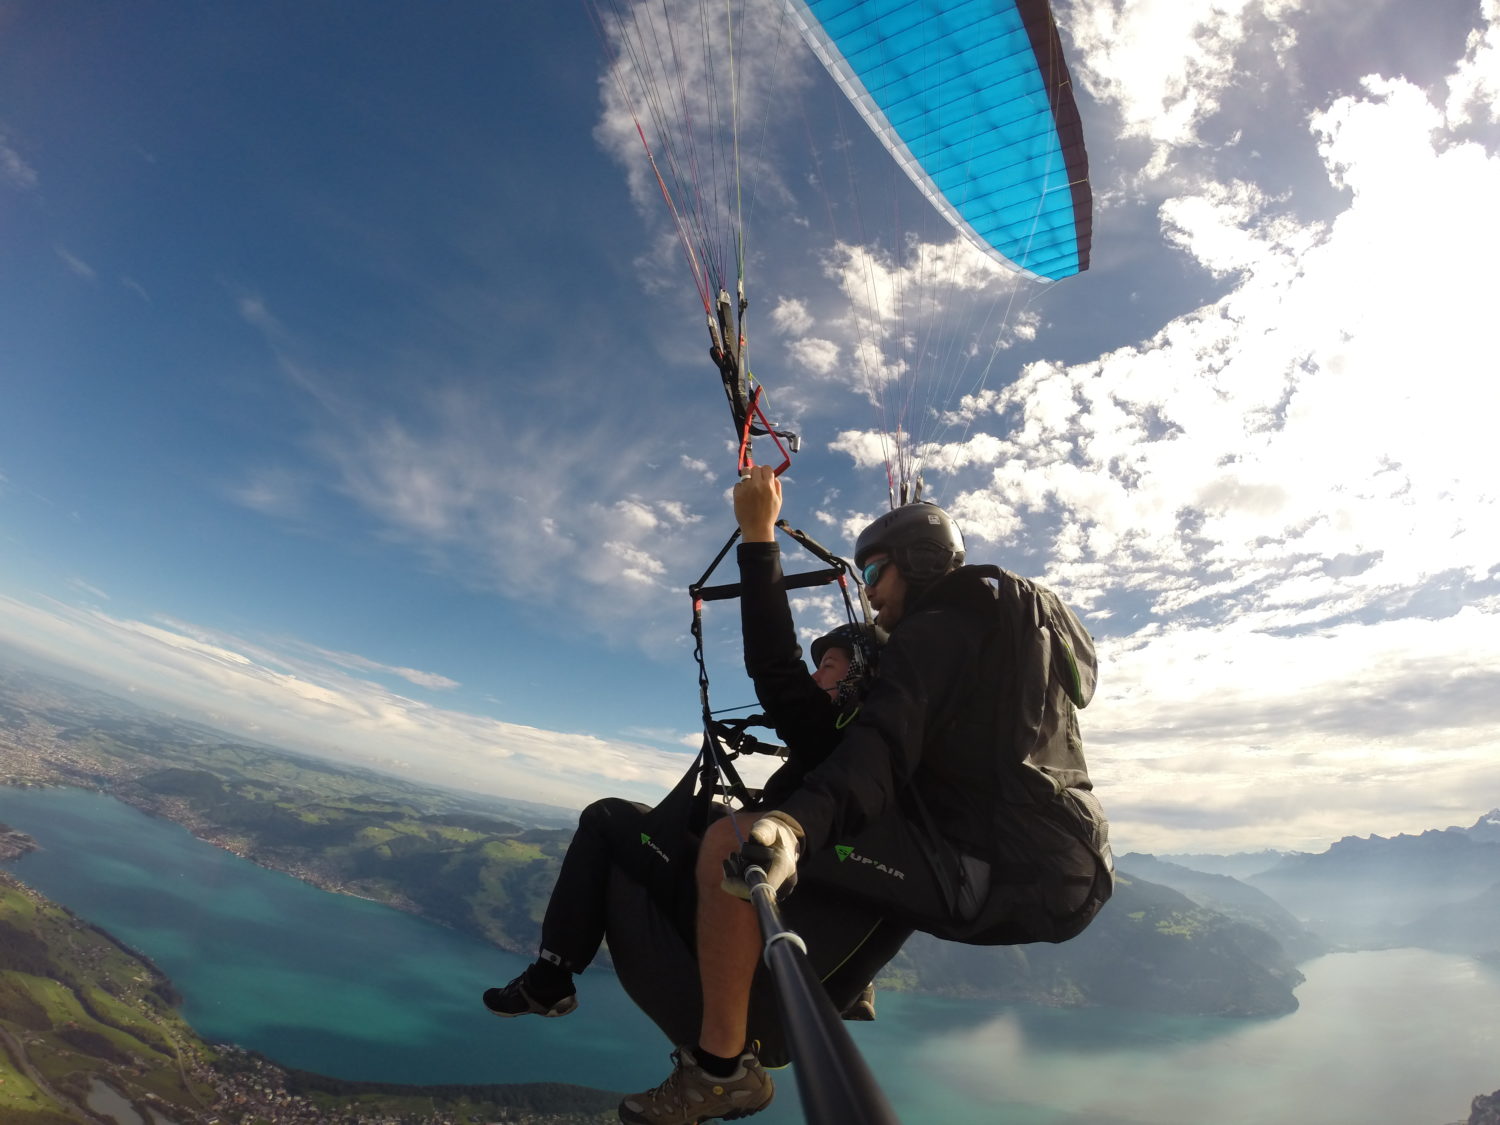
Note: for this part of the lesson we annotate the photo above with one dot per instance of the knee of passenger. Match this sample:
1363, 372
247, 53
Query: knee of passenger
595, 814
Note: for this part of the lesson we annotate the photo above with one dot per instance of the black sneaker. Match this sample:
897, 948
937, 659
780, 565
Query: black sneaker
513, 1000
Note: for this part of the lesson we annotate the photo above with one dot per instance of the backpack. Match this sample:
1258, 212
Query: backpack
1054, 869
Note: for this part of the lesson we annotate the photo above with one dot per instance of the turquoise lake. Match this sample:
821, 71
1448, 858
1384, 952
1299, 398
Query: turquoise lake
338, 985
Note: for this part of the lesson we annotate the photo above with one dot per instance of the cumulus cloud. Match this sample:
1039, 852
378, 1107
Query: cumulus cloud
1474, 88
815, 356
1307, 413
790, 316
868, 449
1168, 67
698, 467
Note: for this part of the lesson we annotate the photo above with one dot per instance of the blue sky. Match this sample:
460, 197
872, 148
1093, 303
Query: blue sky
356, 397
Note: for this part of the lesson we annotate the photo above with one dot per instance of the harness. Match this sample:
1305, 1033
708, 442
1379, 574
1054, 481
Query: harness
724, 740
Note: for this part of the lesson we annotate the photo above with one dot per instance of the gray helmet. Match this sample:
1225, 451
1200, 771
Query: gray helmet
921, 539
862, 642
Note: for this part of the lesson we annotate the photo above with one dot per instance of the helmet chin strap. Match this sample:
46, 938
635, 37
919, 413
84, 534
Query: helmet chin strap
847, 693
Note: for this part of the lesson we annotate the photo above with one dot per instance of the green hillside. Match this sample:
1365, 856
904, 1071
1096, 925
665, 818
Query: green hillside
75, 1007
1150, 949
80, 1015
474, 872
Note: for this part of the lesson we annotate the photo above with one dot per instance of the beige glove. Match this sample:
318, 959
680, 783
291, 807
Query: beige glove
774, 843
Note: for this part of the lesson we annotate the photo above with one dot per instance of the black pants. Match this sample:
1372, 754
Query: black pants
609, 834
624, 877
848, 942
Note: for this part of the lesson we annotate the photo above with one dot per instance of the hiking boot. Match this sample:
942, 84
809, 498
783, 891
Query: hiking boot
690, 1094
514, 1000
862, 1009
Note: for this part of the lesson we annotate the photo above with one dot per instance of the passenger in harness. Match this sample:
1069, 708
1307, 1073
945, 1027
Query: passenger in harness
616, 837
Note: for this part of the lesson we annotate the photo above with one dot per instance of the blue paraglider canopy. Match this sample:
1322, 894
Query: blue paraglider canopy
975, 103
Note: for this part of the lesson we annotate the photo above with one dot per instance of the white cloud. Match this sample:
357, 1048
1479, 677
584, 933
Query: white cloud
91, 590
302, 697
815, 356
1474, 89
431, 680
14, 168
1232, 228
676, 512
534, 511
1308, 413
1219, 733
698, 467
253, 311
276, 491
633, 563
76, 265
790, 317
868, 449
885, 291
1166, 66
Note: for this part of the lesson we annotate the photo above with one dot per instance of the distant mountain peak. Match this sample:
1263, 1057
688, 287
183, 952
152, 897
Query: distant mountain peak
1487, 827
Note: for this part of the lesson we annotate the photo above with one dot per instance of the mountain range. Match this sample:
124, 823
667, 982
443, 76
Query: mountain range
1233, 898
1438, 889
1376, 891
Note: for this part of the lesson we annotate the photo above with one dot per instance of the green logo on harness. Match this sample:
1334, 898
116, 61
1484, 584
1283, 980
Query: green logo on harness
665, 858
845, 852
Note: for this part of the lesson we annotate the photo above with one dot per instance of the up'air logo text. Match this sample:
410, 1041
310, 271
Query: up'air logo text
665, 858
848, 854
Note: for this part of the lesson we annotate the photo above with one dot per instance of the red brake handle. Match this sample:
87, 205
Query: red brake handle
752, 412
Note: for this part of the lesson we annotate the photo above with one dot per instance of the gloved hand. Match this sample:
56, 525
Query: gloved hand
774, 843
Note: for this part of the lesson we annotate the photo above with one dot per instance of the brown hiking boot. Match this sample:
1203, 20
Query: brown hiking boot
691, 1095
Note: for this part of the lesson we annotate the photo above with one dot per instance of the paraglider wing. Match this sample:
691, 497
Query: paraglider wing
974, 101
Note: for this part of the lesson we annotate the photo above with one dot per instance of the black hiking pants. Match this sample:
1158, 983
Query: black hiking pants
889, 868
609, 833
623, 878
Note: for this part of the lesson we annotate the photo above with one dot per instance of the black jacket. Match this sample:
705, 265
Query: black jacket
800, 712
930, 724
